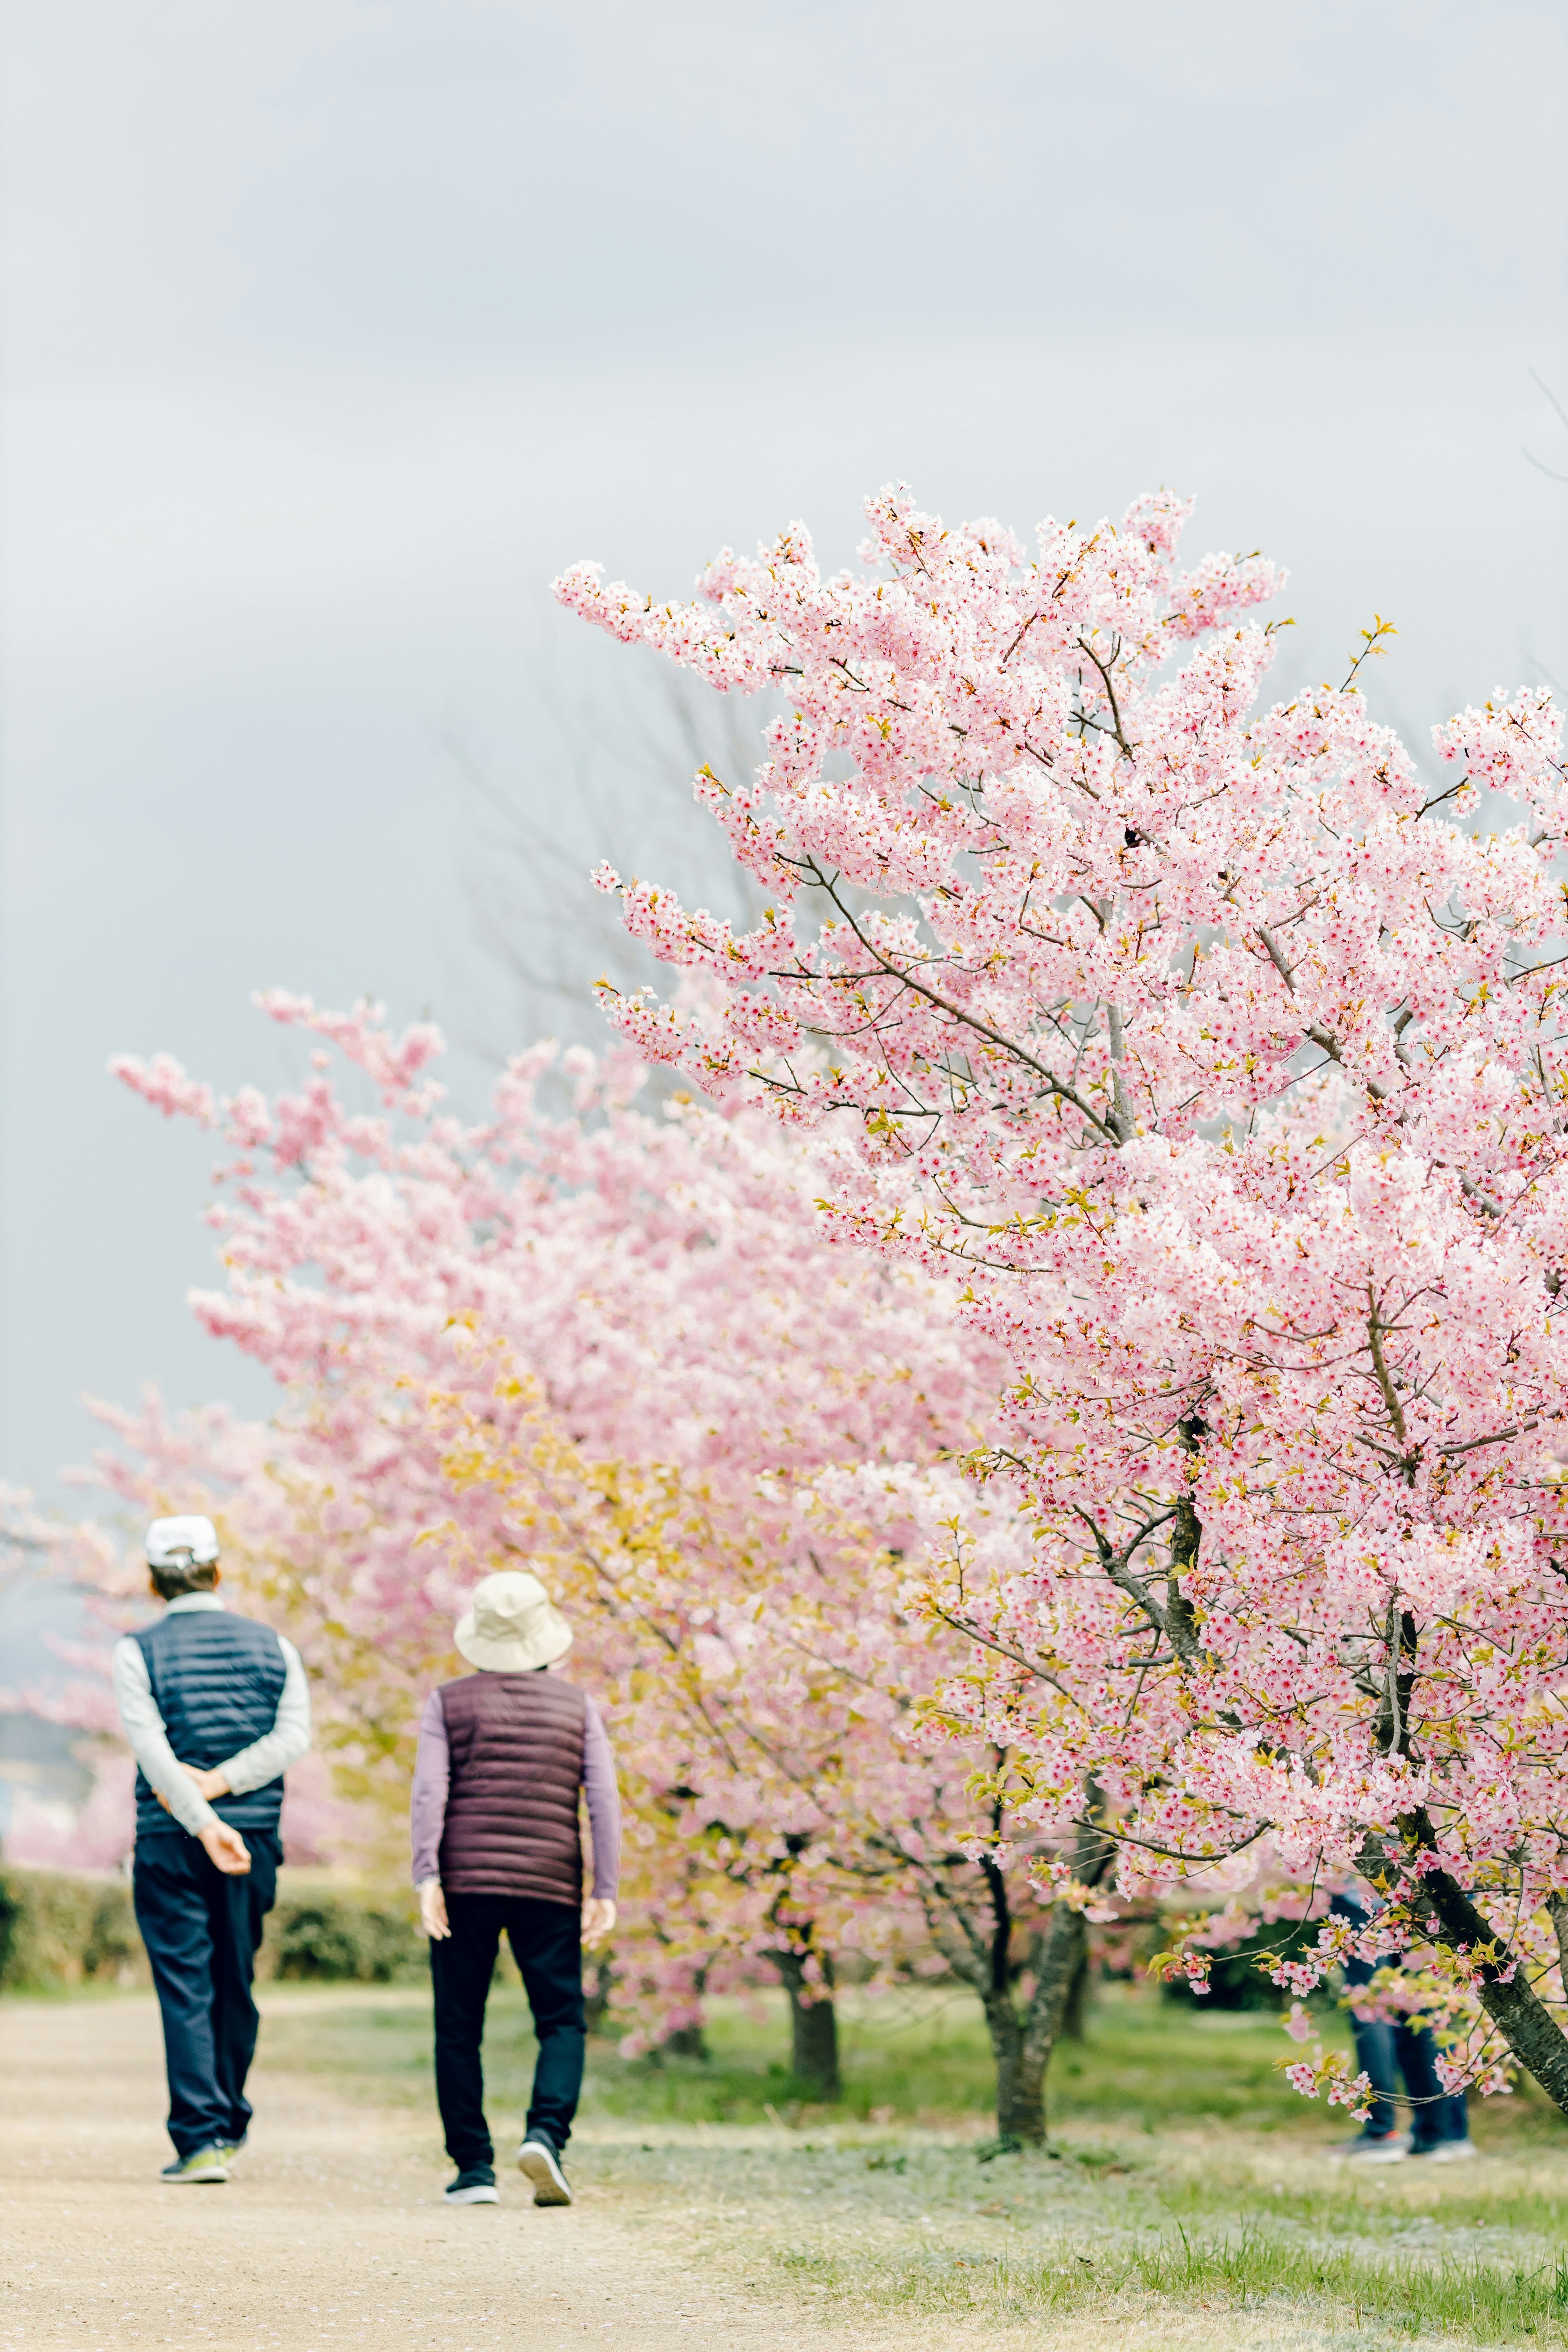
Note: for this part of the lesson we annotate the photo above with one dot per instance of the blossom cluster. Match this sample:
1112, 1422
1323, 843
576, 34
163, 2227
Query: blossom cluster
1218, 1055
617, 1342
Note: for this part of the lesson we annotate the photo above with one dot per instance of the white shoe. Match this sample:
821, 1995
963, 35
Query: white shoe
538, 2161
1390, 2150
476, 2187
1446, 2151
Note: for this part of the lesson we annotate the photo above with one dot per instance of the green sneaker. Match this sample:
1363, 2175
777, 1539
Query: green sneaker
192, 2171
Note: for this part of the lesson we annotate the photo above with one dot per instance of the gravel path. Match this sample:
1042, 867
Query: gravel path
331, 2235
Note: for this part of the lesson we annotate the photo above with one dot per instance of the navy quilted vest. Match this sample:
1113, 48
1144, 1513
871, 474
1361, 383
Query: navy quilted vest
216, 1680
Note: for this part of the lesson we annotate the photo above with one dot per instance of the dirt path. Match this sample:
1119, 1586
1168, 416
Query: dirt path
331, 2235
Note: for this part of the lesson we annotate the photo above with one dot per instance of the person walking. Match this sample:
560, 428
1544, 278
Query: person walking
505, 1755
1386, 2051
215, 1708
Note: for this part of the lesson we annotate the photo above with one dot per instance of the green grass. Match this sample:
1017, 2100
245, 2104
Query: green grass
923, 2056
1251, 2268
1185, 2172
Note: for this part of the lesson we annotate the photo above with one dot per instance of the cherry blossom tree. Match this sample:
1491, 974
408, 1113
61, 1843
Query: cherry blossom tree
761, 1416
784, 1696
1218, 1055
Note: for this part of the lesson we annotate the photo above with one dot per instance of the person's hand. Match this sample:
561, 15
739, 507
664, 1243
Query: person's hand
433, 1920
227, 1850
207, 1784
598, 1919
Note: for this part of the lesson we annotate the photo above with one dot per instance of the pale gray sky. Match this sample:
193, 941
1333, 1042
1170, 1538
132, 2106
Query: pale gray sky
334, 328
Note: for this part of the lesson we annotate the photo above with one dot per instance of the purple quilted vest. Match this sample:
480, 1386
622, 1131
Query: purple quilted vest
516, 1743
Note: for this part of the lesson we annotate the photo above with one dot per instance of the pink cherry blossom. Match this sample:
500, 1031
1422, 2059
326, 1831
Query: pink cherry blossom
1215, 1056
626, 1345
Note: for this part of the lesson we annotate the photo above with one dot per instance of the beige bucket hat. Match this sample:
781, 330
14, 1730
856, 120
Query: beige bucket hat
511, 1626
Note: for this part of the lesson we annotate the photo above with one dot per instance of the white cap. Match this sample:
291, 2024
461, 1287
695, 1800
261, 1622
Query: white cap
171, 1542
511, 1626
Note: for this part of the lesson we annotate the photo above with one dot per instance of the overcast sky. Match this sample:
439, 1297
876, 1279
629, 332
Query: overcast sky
333, 330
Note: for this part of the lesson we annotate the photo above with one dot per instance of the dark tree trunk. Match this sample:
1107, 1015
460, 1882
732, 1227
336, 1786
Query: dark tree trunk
1447, 1913
1022, 2042
1076, 2002
596, 1996
1526, 2025
814, 2025
1021, 2063
685, 2041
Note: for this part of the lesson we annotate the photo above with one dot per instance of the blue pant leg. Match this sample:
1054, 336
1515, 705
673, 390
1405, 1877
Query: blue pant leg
1374, 2055
175, 1919
1435, 2114
237, 1908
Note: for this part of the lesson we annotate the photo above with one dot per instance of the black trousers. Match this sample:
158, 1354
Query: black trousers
201, 1929
546, 1940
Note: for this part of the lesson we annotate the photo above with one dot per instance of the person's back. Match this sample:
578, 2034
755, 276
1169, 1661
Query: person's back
515, 1744
505, 1756
215, 1708
216, 1679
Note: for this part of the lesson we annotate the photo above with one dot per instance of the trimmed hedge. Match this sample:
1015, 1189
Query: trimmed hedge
354, 1936
56, 1929
60, 1928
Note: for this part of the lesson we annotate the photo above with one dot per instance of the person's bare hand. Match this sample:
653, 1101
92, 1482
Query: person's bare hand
433, 1920
227, 1850
207, 1784
598, 1919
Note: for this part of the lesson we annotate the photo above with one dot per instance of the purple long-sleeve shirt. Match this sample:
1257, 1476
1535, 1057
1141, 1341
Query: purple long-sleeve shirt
433, 1775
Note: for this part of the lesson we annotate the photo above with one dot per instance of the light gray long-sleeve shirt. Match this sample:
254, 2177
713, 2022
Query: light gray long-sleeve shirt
251, 1767
432, 1785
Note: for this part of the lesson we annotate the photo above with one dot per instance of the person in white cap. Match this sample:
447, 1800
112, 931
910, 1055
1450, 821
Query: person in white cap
505, 1756
215, 1708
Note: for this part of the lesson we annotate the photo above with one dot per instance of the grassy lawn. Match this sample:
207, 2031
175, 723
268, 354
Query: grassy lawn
1183, 2172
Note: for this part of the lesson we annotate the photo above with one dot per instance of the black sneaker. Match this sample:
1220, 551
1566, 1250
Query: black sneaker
537, 2159
476, 2186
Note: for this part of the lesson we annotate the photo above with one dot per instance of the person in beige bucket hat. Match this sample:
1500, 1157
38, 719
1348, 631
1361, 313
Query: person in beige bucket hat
511, 1626
506, 1755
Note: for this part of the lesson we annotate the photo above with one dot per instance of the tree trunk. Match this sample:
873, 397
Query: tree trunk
1063, 1964
1526, 2025
814, 2025
1446, 1912
1076, 2002
1023, 2057
685, 2041
1020, 2072
1024, 2044
596, 1996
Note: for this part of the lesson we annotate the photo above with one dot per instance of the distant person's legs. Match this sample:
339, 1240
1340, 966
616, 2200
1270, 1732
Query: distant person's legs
1376, 2057
200, 1927
237, 1908
547, 1941
461, 1967
1439, 2119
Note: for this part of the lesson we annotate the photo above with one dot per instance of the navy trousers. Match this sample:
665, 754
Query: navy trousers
1435, 2114
201, 1929
546, 1940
